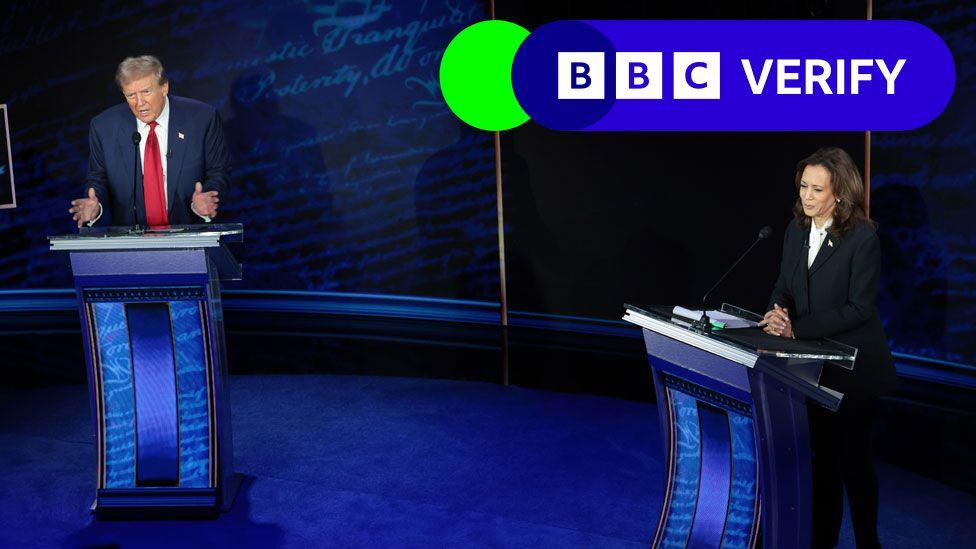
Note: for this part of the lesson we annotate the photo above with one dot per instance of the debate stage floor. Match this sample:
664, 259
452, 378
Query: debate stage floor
379, 461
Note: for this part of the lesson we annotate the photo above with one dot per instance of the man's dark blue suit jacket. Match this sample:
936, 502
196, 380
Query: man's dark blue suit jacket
199, 155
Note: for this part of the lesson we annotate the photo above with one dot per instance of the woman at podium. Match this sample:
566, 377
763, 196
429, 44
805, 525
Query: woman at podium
827, 288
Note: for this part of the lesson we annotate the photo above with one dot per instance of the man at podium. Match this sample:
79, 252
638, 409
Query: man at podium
155, 160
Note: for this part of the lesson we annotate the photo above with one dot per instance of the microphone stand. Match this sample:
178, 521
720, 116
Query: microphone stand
705, 323
136, 228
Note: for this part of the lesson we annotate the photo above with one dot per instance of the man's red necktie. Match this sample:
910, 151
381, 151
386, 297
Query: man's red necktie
152, 181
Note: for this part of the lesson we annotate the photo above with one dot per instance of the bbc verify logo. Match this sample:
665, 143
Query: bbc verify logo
631, 75
698, 75
639, 75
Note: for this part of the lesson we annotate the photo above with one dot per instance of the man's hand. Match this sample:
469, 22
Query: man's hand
84, 210
204, 203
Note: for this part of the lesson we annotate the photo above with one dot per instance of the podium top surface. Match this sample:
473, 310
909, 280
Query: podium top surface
742, 345
128, 238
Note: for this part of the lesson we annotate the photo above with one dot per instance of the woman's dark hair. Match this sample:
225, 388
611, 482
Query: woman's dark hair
845, 183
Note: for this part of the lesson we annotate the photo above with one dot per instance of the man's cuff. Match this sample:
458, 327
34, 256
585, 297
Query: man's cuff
206, 218
97, 217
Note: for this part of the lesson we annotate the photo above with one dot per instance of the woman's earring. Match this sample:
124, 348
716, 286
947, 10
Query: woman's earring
838, 201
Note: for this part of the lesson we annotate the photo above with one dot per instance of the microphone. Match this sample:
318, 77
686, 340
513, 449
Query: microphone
705, 323
136, 138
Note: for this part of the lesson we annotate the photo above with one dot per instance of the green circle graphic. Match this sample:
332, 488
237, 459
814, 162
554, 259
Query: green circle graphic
476, 75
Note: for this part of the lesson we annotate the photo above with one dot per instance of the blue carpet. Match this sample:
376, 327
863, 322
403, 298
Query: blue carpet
347, 461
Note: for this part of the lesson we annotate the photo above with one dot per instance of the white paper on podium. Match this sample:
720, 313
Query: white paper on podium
728, 320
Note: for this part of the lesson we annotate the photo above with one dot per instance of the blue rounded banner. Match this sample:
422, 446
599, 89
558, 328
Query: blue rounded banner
733, 75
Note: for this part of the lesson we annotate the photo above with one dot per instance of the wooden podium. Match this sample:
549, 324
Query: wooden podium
157, 372
733, 412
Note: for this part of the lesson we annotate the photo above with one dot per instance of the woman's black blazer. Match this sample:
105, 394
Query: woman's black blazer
835, 298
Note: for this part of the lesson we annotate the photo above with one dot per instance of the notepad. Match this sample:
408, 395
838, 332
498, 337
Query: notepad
718, 318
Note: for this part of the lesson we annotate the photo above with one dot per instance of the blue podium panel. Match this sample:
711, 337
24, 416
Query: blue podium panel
116, 431
712, 493
156, 422
195, 421
154, 373
716, 473
734, 429
740, 524
684, 466
153, 327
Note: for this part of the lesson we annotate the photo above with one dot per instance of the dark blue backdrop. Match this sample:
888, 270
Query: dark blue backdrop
349, 172
351, 175
923, 196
